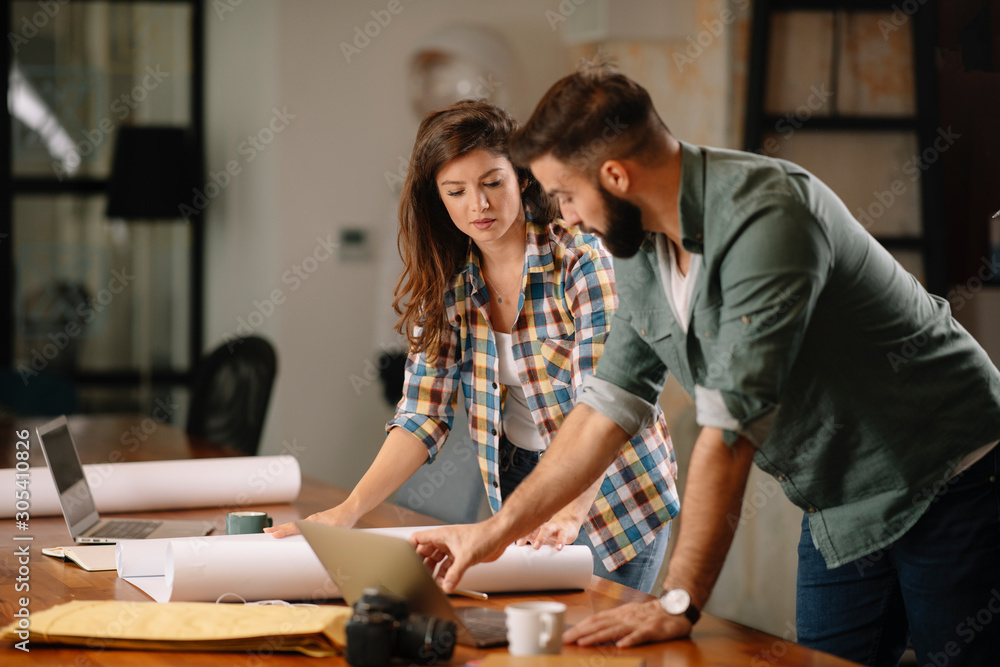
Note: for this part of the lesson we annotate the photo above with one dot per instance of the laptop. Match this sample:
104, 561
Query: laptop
77, 501
358, 559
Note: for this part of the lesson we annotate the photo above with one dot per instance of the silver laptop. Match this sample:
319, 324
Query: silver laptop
358, 559
85, 525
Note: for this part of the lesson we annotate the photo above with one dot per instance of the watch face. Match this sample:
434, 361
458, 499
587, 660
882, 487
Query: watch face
676, 601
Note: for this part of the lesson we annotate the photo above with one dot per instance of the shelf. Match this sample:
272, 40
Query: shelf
843, 123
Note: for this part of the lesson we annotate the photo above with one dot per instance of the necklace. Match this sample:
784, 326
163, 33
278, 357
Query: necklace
496, 291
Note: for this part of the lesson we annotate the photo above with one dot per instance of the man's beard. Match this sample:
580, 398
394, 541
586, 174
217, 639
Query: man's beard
625, 234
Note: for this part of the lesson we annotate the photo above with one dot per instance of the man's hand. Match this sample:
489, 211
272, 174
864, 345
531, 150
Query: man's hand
454, 549
335, 516
629, 625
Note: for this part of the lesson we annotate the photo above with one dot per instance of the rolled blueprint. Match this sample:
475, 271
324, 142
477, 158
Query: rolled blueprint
234, 568
144, 486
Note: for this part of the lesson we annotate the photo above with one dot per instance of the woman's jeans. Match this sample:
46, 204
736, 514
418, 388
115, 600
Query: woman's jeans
938, 584
640, 572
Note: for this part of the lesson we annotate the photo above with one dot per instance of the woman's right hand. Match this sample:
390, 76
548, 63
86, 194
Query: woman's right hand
335, 516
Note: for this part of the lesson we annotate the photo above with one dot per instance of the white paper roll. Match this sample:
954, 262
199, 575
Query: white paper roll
145, 486
260, 567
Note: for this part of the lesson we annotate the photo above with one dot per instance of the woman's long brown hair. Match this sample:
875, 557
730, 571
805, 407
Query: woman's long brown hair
431, 246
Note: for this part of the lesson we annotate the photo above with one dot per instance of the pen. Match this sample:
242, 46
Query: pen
471, 594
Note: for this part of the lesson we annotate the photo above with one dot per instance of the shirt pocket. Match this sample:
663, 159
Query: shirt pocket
557, 356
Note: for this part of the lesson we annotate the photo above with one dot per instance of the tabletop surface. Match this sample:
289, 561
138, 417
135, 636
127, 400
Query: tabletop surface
101, 439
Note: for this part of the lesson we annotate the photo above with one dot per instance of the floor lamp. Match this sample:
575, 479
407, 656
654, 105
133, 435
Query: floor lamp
150, 180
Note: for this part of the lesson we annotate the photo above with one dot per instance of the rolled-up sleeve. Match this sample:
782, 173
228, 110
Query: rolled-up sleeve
770, 280
430, 393
624, 408
590, 294
630, 375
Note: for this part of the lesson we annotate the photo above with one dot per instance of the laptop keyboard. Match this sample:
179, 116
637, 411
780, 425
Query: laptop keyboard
486, 625
125, 529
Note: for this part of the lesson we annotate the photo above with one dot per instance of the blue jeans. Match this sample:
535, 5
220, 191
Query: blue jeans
639, 573
939, 584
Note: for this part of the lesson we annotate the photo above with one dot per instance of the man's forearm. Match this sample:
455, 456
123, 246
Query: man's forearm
584, 447
717, 477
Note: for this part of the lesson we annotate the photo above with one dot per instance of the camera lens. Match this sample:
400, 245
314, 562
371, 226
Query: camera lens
425, 640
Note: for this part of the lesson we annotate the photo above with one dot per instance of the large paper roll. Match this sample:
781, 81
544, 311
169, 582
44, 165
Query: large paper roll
145, 486
231, 568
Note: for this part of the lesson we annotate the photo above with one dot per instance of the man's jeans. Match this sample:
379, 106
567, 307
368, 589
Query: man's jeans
640, 572
939, 584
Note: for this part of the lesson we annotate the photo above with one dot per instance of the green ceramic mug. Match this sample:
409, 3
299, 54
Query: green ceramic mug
241, 523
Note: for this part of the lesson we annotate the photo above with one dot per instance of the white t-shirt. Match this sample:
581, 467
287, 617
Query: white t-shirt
516, 421
678, 287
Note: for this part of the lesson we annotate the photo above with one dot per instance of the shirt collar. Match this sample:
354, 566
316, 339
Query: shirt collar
691, 198
537, 254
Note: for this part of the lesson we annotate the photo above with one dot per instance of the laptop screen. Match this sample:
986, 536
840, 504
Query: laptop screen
67, 471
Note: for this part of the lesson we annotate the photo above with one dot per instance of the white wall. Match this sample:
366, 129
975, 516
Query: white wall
323, 173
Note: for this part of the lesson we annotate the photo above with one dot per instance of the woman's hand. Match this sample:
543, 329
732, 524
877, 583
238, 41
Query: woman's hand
560, 530
335, 516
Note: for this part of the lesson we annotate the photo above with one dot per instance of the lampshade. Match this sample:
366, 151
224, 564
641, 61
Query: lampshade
460, 61
151, 173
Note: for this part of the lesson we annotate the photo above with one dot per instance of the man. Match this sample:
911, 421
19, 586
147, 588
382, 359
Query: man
807, 349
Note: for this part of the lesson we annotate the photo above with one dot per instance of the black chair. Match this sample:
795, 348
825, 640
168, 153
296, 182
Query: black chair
231, 391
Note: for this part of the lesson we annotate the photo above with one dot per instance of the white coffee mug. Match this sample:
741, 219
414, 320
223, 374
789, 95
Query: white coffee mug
534, 627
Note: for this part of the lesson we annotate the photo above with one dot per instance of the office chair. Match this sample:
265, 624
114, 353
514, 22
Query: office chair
230, 394
450, 489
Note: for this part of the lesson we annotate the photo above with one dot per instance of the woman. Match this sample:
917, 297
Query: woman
505, 306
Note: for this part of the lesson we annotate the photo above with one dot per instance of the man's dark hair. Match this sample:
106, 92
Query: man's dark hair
593, 115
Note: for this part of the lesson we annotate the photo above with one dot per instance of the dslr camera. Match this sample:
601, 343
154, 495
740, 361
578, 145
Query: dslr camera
381, 630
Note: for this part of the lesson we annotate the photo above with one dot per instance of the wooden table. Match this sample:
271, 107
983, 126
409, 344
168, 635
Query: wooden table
714, 642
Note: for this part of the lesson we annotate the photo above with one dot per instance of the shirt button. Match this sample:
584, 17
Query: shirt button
494, 385
811, 510
781, 478
745, 319
494, 431
707, 335
642, 331
496, 485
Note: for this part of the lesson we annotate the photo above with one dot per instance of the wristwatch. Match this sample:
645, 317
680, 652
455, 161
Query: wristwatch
677, 602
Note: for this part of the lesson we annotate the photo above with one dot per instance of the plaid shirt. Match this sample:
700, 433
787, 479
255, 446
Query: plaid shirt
564, 313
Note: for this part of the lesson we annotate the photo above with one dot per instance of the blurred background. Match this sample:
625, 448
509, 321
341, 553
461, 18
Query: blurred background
286, 125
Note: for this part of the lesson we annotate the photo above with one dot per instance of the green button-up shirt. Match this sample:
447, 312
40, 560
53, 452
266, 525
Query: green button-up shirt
858, 388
